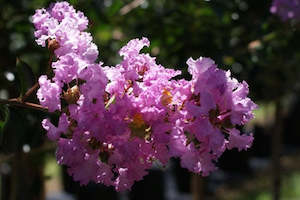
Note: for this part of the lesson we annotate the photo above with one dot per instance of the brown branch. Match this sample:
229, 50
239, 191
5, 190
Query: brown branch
20, 103
197, 183
50, 63
30, 91
44, 148
127, 8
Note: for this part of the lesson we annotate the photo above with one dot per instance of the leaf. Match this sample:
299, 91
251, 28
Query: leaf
115, 7
4, 116
25, 75
112, 100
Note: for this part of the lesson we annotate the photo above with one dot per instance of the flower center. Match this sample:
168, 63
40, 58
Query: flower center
166, 97
139, 128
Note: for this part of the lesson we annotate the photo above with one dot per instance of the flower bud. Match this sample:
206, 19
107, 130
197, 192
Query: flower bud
72, 95
52, 44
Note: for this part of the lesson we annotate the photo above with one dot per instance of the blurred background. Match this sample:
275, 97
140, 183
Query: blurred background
241, 36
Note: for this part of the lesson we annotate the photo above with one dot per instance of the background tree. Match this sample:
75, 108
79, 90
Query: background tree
240, 35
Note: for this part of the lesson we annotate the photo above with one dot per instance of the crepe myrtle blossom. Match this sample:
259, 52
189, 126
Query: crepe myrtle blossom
286, 9
213, 106
115, 121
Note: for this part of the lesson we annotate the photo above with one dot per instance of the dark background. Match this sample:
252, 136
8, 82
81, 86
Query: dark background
241, 36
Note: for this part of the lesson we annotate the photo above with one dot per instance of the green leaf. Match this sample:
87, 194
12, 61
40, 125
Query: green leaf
115, 7
4, 116
112, 100
25, 75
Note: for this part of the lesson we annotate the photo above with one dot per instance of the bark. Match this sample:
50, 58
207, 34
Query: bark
197, 187
276, 151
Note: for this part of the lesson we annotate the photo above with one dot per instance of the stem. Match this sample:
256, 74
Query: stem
46, 147
197, 187
49, 63
127, 8
30, 91
20, 103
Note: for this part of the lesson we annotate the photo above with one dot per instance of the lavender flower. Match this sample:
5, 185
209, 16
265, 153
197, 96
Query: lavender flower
116, 121
286, 9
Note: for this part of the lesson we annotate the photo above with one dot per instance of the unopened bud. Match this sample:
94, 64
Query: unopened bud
72, 95
52, 45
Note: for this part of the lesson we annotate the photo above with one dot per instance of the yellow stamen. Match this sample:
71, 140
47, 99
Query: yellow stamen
166, 97
139, 128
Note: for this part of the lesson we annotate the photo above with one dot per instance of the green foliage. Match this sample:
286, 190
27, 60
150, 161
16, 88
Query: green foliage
290, 190
25, 75
242, 36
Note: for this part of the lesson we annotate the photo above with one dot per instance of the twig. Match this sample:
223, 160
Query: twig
20, 103
50, 63
44, 148
126, 9
197, 187
30, 91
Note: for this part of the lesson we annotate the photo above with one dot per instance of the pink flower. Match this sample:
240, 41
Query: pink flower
286, 9
236, 140
49, 94
55, 132
116, 121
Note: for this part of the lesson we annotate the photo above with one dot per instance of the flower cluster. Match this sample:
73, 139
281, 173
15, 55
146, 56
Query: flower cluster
116, 121
286, 9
